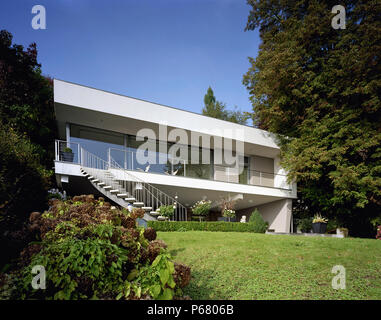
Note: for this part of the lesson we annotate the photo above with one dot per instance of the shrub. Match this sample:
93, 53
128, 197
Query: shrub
305, 225
228, 213
23, 188
200, 226
257, 223
166, 211
92, 251
201, 208
378, 236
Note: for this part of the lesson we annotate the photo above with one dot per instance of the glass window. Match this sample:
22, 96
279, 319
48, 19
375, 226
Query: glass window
98, 141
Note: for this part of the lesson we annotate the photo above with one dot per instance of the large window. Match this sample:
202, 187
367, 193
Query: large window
96, 141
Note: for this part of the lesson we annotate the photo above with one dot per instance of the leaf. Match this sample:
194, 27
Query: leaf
164, 275
132, 275
166, 295
155, 290
156, 261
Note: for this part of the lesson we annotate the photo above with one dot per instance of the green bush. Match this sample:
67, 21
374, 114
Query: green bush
305, 225
257, 223
201, 208
166, 211
23, 188
91, 251
201, 226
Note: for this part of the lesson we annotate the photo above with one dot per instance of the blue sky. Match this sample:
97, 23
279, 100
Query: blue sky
165, 51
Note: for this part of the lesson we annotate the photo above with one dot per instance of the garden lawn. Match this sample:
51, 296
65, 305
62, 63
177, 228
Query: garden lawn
233, 265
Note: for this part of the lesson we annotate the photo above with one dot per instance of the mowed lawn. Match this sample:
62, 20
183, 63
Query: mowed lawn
233, 265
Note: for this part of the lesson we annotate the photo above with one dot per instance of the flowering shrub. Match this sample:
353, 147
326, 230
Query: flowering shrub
56, 194
92, 251
166, 211
202, 207
378, 236
228, 213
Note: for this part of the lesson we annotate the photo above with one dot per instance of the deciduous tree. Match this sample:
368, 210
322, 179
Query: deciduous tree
321, 88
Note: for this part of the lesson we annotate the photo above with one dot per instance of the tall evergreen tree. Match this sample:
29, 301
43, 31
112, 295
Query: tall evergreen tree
321, 87
217, 109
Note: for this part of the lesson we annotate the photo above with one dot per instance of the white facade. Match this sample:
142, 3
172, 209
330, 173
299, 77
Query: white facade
92, 118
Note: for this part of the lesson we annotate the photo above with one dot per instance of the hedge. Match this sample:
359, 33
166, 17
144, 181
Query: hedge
201, 226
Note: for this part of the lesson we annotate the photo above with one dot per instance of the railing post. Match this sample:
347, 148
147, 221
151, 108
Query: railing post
55, 150
79, 160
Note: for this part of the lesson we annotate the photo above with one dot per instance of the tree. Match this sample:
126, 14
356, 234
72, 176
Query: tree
27, 132
217, 109
26, 97
319, 88
23, 189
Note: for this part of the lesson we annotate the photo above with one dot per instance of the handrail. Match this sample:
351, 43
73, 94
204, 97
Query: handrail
115, 165
90, 160
186, 161
254, 177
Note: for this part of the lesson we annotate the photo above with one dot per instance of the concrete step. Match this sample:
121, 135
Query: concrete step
130, 199
154, 213
114, 191
95, 180
90, 177
107, 187
101, 184
147, 208
138, 204
122, 195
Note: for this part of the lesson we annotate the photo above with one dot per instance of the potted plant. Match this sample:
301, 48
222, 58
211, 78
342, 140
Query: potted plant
228, 213
201, 208
166, 212
319, 224
67, 155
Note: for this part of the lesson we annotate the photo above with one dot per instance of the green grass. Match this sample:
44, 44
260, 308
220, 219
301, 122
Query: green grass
232, 265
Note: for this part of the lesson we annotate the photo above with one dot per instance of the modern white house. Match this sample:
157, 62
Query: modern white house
139, 153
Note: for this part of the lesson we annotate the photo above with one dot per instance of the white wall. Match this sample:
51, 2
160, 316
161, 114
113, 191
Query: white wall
277, 214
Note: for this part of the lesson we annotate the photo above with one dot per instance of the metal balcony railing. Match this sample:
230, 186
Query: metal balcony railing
127, 160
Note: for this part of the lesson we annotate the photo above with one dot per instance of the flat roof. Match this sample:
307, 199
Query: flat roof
85, 97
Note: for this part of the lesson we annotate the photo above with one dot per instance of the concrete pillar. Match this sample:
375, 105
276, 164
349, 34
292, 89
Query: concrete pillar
68, 134
277, 214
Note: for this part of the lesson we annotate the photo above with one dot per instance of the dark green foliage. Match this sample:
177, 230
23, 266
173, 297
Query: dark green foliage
27, 132
321, 88
217, 109
92, 251
23, 188
203, 226
26, 97
257, 223
305, 225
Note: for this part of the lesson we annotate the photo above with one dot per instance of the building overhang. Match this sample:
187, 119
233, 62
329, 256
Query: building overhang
90, 107
191, 190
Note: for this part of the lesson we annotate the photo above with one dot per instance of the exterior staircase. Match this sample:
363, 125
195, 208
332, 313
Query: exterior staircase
125, 189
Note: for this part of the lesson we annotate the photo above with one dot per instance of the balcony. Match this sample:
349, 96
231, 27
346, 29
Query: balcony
161, 164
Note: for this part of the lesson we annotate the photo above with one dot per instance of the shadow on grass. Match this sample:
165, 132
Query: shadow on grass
203, 285
174, 252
